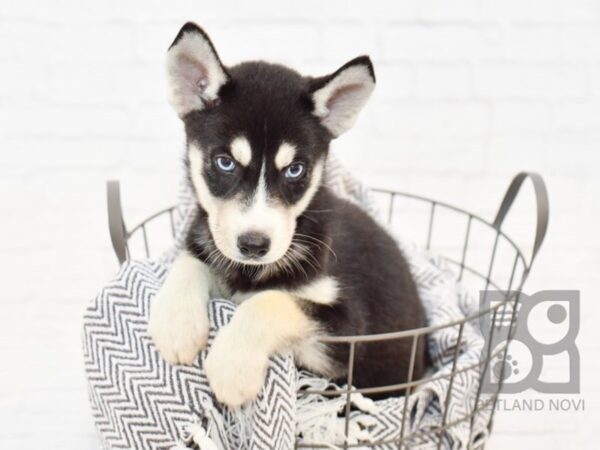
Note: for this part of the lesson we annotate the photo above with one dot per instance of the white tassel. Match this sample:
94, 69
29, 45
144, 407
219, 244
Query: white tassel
364, 403
197, 432
207, 444
180, 446
199, 436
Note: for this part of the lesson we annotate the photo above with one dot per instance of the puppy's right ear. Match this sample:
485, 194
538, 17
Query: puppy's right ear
194, 71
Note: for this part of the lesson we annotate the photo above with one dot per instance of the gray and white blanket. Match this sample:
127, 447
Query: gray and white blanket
141, 402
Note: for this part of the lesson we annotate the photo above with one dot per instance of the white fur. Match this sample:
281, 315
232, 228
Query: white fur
312, 354
285, 155
206, 199
241, 150
178, 321
239, 297
338, 103
315, 181
323, 290
228, 219
267, 217
194, 73
267, 323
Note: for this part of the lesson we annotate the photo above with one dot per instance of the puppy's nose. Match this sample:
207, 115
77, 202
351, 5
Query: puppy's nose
253, 244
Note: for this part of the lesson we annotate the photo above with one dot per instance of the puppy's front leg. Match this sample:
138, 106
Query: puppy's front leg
178, 321
266, 323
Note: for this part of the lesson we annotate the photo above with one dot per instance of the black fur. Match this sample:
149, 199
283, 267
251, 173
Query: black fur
270, 104
377, 295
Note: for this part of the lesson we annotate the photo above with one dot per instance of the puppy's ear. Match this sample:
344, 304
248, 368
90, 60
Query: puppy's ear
194, 71
339, 97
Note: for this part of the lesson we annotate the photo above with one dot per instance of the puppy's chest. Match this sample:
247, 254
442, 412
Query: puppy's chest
321, 290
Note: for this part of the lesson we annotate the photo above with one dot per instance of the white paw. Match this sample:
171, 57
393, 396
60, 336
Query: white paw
235, 369
179, 323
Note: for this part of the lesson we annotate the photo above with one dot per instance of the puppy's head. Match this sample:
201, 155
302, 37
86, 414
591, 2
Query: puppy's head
257, 138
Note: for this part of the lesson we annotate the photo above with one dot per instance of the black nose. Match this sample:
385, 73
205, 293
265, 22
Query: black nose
253, 245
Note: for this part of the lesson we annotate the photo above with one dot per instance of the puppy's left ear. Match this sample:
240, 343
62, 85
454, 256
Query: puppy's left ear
339, 97
195, 73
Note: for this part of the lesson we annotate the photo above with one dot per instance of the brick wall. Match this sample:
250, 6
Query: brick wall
469, 92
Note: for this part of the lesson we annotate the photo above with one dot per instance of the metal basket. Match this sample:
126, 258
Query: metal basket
504, 311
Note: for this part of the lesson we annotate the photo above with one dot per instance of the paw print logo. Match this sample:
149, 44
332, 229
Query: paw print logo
546, 327
505, 369
517, 366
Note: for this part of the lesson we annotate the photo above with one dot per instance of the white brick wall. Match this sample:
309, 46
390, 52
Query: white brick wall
469, 92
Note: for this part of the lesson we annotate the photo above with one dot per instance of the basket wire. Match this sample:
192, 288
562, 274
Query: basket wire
499, 313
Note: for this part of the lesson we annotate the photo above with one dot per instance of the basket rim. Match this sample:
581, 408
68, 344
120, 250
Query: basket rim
121, 235
413, 332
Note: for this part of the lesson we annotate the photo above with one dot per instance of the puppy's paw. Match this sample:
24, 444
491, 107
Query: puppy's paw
179, 323
235, 369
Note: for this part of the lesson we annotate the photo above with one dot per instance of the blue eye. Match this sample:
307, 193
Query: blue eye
294, 171
225, 164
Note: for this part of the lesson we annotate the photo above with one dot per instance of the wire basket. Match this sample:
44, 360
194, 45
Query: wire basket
476, 264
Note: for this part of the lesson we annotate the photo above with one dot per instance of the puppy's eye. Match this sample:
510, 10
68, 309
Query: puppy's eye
294, 171
225, 164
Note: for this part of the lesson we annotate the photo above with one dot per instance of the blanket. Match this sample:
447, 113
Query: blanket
140, 402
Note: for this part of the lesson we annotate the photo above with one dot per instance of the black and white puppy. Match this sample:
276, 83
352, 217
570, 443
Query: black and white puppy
301, 262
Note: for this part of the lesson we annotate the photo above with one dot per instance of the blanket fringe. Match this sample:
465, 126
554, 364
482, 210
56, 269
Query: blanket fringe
198, 435
318, 417
201, 439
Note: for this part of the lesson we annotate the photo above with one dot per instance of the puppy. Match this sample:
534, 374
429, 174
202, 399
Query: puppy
302, 263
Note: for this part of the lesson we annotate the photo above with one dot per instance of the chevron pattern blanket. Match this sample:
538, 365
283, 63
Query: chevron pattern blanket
141, 402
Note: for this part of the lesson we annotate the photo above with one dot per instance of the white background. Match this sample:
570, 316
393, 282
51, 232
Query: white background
469, 92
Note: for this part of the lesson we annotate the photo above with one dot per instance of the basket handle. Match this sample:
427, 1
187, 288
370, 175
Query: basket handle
542, 207
116, 224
